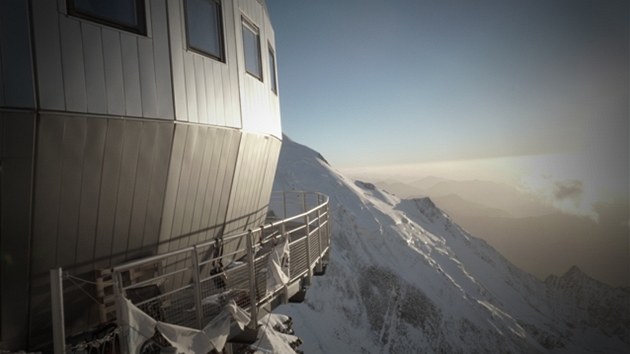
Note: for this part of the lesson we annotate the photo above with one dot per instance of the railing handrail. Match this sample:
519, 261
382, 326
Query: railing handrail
157, 257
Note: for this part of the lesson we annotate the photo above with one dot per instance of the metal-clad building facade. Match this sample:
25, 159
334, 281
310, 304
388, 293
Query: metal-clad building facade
117, 145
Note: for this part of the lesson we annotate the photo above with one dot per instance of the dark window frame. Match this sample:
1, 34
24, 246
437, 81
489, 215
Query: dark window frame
246, 24
141, 29
221, 34
273, 76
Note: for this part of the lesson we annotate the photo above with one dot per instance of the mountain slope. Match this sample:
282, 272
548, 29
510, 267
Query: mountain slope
404, 278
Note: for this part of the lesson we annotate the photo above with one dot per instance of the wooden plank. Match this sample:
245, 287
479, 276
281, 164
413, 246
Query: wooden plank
112, 54
48, 55
161, 54
73, 64
90, 192
148, 88
131, 75
94, 68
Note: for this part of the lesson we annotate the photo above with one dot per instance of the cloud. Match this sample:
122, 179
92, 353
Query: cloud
568, 189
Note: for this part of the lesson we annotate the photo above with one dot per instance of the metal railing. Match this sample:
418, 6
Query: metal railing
189, 287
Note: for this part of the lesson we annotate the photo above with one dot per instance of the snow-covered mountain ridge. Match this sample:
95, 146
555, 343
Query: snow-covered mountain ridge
404, 278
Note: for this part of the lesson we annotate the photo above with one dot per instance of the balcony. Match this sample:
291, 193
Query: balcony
190, 287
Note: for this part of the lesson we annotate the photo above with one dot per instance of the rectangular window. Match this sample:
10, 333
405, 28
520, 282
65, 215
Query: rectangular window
128, 15
204, 27
272, 71
251, 47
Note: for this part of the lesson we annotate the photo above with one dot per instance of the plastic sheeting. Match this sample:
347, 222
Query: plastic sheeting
278, 266
186, 340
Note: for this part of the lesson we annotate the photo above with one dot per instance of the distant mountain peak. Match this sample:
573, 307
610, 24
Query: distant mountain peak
403, 277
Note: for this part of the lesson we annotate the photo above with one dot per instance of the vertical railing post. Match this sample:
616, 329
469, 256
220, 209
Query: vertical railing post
283, 232
56, 297
118, 295
284, 204
308, 250
253, 323
197, 289
319, 267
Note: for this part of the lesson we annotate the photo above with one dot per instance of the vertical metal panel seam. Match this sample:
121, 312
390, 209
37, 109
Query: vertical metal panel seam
122, 72
197, 194
154, 157
85, 74
35, 83
170, 158
29, 259
229, 202
63, 135
100, 189
170, 61
240, 82
133, 196
100, 31
115, 213
142, 114
76, 243
63, 76
179, 176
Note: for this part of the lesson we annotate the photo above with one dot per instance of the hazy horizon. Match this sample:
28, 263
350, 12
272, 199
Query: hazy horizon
529, 229
530, 93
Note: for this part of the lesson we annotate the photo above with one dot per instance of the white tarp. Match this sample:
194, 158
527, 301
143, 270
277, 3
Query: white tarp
186, 340
278, 266
140, 326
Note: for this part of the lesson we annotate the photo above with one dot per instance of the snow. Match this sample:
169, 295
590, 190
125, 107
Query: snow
403, 277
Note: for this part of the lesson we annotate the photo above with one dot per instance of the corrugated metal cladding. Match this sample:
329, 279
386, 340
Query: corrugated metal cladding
16, 156
90, 68
260, 107
212, 92
205, 89
133, 145
109, 190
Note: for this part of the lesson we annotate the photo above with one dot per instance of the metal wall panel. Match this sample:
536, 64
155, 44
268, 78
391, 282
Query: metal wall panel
98, 176
16, 65
161, 50
203, 91
131, 74
259, 105
98, 198
16, 153
48, 55
73, 64
93, 154
198, 187
81, 64
94, 68
252, 182
112, 57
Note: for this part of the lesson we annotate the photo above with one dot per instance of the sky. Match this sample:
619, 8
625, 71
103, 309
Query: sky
529, 90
